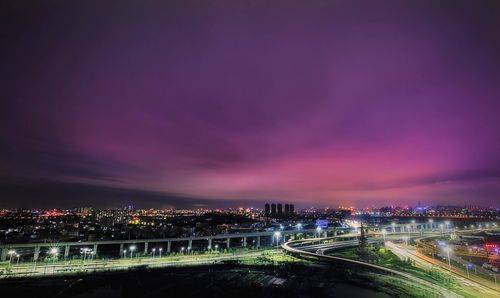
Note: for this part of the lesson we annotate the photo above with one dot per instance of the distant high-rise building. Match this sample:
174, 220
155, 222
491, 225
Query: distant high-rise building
273, 209
276, 209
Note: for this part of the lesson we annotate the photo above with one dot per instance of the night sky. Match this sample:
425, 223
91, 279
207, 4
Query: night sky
223, 103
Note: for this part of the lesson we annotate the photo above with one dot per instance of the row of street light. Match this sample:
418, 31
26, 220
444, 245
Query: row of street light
480, 226
277, 234
54, 252
183, 249
412, 227
442, 226
13, 254
87, 253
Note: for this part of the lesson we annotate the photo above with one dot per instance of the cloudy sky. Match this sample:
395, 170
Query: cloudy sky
191, 103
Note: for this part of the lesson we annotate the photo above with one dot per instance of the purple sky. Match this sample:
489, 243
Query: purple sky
194, 102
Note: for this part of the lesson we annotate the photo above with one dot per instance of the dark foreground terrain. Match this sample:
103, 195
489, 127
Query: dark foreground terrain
225, 280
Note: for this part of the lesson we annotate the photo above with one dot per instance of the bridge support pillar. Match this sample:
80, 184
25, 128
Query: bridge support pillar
258, 242
210, 243
228, 243
36, 255
4, 254
146, 244
121, 249
66, 251
95, 249
244, 241
190, 243
169, 246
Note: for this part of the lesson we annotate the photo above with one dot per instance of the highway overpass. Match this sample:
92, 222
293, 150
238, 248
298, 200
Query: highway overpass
70, 249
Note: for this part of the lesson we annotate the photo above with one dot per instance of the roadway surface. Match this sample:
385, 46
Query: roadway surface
308, 248
320, 249
430, 263
87, 266
471, 276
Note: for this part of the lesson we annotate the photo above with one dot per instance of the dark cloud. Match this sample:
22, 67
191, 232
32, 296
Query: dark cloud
21, 193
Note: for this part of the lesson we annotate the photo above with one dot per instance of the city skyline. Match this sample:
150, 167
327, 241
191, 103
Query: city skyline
206, 104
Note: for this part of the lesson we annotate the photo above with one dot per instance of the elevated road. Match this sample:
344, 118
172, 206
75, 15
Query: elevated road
308, 249
37, 248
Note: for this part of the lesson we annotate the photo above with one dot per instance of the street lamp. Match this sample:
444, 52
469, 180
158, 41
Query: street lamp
160, 250
83, 253
189, 250
182, 250
299, 226
11, 254
467, 268
132, 248
447, 249
318, 230
124, 253
277, 234
54, 252
154, 251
